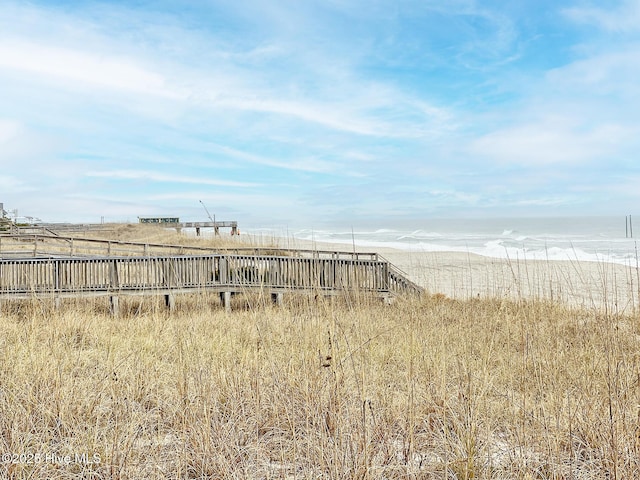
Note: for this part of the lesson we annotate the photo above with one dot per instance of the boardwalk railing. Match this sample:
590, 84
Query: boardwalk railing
65, 277
46, 246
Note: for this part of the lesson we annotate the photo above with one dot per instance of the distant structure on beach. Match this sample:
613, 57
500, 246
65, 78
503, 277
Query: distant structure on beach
161, 220
175, 222
4, 221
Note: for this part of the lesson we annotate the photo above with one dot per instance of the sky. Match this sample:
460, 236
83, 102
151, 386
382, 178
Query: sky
311, 113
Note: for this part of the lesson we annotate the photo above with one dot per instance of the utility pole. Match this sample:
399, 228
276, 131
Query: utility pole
215, 228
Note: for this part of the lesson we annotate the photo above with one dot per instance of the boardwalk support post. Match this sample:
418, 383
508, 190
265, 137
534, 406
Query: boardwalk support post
114, 306
276, 298
225, 298
170, 301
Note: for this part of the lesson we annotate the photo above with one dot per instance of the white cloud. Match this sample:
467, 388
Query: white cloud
22, 148
317, 113
82, 67
553, 201
9, 184
613, 73
299, 81
9, 129
551, 141
160, 177
454, 196
226, 87
623, 19
304, 165
362, 113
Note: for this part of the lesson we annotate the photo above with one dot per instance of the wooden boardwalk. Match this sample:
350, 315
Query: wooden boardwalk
225, 273
217, 225
169, 222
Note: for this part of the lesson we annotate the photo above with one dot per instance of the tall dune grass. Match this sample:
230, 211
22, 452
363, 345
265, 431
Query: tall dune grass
428, 387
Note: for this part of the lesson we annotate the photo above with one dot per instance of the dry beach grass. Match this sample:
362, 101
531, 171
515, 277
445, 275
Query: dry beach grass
428, 387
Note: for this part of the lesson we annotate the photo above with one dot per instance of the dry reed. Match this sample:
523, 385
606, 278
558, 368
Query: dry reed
428, 387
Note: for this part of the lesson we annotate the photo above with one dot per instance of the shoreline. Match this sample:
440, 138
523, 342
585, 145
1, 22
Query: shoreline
595, 285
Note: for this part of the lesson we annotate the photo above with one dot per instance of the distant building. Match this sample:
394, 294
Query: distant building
161, 220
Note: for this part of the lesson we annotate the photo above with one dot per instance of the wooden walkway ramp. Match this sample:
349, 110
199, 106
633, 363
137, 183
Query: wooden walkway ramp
325, 274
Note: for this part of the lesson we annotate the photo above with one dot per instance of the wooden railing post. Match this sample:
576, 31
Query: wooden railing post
223, 266
274, 272
113, 275
56, 275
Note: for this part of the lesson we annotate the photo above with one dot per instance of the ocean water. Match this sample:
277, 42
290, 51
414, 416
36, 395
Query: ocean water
601, 239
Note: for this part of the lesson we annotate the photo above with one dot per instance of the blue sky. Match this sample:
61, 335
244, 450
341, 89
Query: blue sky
319, 112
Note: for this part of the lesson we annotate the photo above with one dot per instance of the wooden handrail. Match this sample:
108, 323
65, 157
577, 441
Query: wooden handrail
145, 246
218, 272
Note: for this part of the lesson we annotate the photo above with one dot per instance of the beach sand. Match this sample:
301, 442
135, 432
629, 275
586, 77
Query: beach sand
599, 285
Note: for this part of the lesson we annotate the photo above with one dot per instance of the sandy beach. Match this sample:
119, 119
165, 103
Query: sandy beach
599, 285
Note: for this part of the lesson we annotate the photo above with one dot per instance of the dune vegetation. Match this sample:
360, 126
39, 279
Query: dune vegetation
425, 388
341, 388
